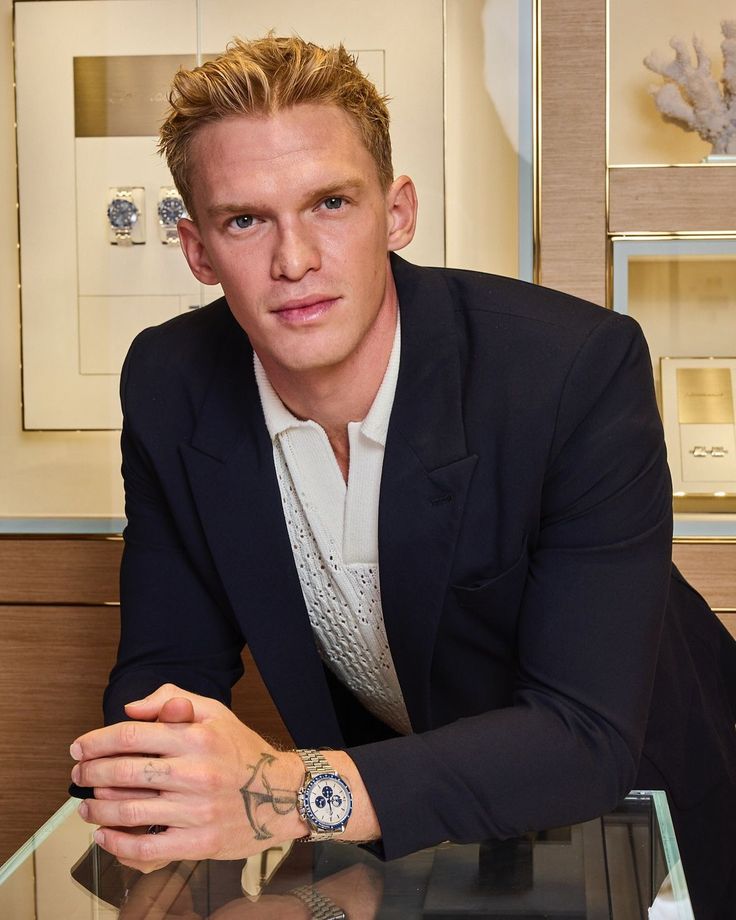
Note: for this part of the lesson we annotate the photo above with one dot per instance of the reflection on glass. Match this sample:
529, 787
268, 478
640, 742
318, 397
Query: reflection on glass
610, 868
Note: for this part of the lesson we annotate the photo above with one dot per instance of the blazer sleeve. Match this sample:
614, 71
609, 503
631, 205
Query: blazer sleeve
175, 626
589, 624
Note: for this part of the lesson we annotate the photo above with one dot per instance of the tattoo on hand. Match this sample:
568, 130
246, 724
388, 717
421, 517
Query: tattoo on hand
152, 770
282, 801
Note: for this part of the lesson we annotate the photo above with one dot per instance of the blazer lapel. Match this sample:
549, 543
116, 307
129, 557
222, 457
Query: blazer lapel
426, 474
230, 468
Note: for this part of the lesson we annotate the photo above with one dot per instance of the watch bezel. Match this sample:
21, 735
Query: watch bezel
124, 209
167, 203
318, 824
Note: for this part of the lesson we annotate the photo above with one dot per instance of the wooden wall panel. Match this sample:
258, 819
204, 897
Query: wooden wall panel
56, 650
573, 242
54, 667
253, 705
672, 199
37, 570
711, 569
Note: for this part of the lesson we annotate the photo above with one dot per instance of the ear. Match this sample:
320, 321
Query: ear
401, 205
195, 252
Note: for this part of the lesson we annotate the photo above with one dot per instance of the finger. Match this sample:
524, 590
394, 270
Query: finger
177, 709
111, 793
129, 773
149, 851
128, 738
138, 813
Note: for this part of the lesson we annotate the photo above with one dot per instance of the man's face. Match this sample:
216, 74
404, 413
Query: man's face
293, 222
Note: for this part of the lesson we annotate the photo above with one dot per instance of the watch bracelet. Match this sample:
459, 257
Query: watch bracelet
319, 905
314, 761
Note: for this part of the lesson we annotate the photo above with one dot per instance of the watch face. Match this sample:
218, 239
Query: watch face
170, 210
327, 801
122, 213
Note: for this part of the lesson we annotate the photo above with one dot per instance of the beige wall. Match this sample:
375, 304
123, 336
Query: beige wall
75, 473
41, 473
638, 134
481, 144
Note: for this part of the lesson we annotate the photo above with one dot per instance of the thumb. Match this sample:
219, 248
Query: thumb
177, 709
150, 708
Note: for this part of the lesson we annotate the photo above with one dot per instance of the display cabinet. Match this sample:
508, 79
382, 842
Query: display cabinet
683, 294
99, 254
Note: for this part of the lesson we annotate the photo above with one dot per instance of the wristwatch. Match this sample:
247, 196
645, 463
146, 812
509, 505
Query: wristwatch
324, 800
320, 906
170, 210
122, 214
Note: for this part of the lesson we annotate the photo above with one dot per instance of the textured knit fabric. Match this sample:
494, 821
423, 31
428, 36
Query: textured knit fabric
333, 527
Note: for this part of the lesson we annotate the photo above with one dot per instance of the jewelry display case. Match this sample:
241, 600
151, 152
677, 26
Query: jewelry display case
683, 294
99, 254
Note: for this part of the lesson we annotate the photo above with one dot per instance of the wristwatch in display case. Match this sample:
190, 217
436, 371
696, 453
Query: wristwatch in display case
170, 211
122, 214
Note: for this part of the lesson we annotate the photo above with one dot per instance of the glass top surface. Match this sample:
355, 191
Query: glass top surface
623, 866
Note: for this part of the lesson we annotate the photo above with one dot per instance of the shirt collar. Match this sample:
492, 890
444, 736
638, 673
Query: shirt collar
374, 425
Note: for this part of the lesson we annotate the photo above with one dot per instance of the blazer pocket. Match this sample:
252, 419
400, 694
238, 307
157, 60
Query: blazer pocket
486, 616
502, 590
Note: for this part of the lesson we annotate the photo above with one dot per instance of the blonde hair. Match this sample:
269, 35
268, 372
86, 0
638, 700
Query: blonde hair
261, 77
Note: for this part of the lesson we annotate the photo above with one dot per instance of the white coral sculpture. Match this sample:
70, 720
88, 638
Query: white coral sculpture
692, 97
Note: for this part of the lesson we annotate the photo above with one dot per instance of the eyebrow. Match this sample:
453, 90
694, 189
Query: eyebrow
333, 189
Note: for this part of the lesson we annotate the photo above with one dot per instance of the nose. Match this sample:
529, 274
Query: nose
295, 253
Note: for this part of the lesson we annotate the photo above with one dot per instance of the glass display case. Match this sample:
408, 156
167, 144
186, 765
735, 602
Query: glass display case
683, 294
622, 866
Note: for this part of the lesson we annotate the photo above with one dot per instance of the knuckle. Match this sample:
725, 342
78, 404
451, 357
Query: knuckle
208, 814
210, 841
209, 779
130, 814
122, 772
197, 737
148, 848
128, 734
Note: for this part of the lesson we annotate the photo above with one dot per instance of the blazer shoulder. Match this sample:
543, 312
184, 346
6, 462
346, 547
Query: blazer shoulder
186, 340
499, 296
494, 302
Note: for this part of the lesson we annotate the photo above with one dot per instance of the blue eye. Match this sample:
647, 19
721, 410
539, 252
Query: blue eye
333, 203
243, 222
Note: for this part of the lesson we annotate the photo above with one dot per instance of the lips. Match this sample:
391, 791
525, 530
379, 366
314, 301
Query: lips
305, 309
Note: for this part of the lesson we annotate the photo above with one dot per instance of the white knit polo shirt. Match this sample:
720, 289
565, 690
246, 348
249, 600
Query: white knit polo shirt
333, 528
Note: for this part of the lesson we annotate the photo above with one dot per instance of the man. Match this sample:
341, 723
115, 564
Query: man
529, 654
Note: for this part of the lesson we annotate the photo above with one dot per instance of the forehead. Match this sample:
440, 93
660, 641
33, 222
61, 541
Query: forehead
290, 147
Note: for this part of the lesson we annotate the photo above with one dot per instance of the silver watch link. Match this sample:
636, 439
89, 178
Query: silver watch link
319, 905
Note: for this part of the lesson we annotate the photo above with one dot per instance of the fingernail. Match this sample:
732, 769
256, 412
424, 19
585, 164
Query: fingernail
75, 750
99, 837
83, 809
75, 773
136, 702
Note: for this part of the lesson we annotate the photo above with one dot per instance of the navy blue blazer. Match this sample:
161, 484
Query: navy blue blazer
550, 656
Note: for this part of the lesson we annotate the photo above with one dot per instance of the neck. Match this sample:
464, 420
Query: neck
333, 396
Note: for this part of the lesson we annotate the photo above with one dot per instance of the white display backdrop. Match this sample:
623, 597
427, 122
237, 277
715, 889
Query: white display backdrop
83, 299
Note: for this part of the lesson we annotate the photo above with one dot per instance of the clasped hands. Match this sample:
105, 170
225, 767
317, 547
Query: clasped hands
186, 763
